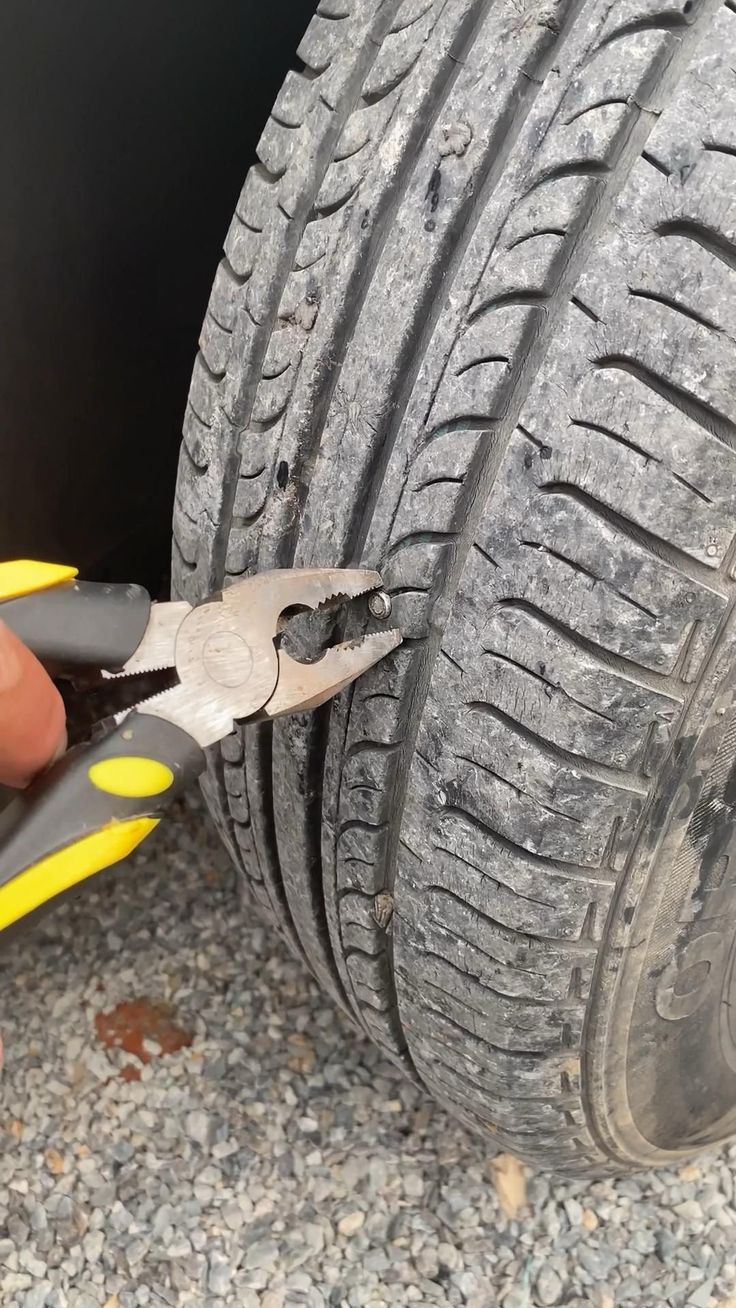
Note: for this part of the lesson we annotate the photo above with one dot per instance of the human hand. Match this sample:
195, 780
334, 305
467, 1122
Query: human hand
32, 718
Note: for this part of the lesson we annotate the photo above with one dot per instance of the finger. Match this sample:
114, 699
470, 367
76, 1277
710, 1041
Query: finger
32, 718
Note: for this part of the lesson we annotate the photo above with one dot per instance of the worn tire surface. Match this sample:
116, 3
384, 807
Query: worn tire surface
475, 325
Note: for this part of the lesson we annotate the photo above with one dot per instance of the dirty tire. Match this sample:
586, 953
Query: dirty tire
475, 325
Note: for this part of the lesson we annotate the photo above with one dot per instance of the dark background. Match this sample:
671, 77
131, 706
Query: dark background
126, 127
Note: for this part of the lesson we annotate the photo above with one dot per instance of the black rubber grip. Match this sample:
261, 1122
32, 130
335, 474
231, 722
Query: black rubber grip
83, 624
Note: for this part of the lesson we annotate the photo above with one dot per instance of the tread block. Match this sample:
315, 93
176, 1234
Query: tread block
507, 1024
256, 200
272, 397
588, 574
516, 1072
204, 392
507, 881
250, 495
538, 676
694, 280
530, 268
198, 438
215, 342
399, 52
526, 969
277, 145
481, 373
223, 302
294, 99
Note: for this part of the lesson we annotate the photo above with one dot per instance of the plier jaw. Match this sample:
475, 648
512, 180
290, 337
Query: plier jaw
227, 655
94, 805
304, 686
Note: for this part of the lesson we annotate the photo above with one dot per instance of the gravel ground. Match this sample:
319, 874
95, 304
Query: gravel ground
259, 1153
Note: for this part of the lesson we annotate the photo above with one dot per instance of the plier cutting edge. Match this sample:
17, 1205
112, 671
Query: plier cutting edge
93, 806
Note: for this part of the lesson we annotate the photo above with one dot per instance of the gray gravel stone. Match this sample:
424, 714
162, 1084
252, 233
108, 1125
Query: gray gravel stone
598, 1262
221, 1177
549, 1286
38, 1297
199, 1127
262, 1255
703, 1295
219, 1275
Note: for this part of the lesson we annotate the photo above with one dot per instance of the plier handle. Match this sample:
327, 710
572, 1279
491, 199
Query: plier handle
99, 801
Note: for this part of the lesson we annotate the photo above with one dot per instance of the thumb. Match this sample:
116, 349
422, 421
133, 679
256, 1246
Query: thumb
32, 718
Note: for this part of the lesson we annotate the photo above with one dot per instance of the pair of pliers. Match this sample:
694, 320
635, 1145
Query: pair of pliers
93, 806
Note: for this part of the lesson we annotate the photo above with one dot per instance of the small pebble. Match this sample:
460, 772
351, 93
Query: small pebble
219, 1275
351, 1223
549, 1286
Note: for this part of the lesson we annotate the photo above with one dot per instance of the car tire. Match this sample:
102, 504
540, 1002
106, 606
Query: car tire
476, 326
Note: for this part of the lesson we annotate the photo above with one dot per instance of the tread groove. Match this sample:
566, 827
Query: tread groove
622, 779
667, 21
534, 1054
509, 298
648, 677
600, 104
573, 870
582, 571
670, 302
557, 1005
616, 436
512, 936
549, 686
518, 790
660, 549
714, 242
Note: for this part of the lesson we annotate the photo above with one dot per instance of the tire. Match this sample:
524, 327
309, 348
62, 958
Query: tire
475, 326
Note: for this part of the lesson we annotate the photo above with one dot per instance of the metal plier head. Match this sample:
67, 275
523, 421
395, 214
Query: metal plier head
227, 658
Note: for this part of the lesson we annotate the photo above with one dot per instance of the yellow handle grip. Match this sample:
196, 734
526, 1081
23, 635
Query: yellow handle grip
23, 576
90, 809
57, 872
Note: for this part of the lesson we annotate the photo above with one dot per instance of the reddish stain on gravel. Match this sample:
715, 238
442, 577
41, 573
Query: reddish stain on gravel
134, 1020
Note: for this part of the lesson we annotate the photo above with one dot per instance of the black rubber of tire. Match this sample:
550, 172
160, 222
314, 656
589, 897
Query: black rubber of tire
476, 325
